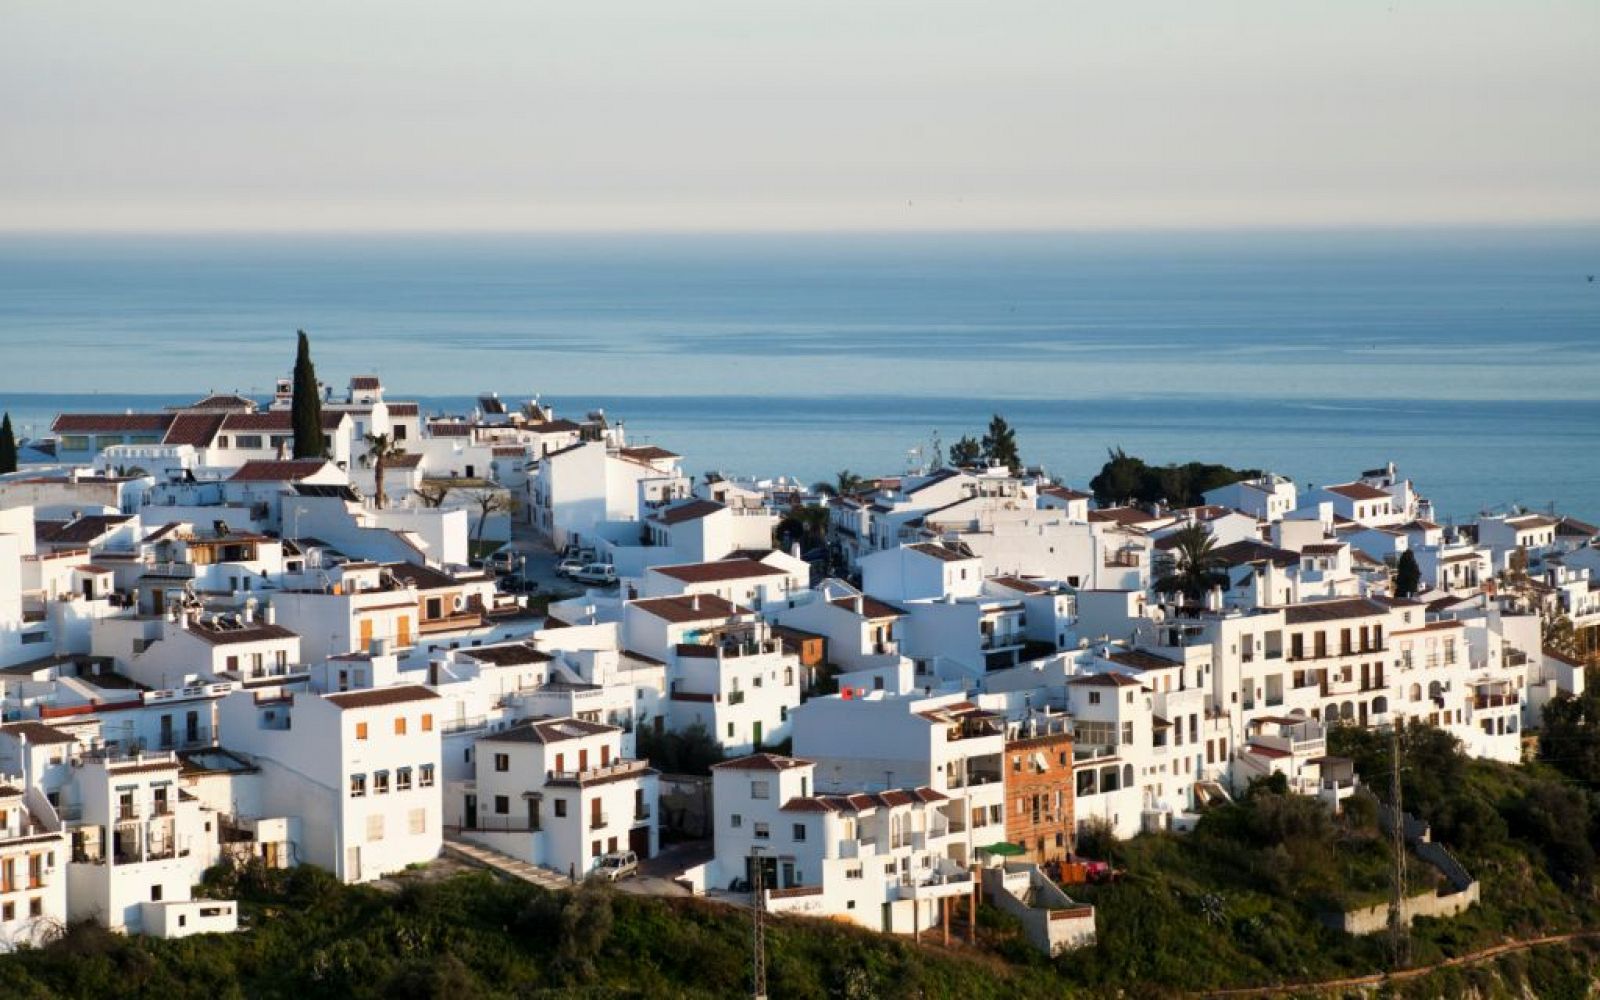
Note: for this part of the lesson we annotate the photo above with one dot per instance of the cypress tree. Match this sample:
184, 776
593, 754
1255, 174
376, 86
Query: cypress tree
1408, 576
1000, 444
307, 408
8, 446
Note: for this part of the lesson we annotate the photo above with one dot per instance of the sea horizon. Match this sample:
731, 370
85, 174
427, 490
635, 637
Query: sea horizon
1460, 353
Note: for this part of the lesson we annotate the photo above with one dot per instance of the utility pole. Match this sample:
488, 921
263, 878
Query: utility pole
1399, 933
758, 943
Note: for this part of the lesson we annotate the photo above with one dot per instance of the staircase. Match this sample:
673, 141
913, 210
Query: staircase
503, 864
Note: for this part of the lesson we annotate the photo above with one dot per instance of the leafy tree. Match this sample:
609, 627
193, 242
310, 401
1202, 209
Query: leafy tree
966, 452
8, 446
1570, 736
1000, 444
307, 406
381, 450
1125, 478
1196, 568
1407, 575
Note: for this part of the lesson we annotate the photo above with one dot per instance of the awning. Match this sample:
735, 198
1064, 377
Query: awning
1003, 849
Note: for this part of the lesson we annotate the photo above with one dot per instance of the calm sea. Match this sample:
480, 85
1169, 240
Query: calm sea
1468, 357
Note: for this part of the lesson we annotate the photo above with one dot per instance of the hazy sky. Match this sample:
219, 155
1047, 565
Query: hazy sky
783, 114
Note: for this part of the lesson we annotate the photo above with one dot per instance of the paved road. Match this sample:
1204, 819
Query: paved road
657, 875
540, 561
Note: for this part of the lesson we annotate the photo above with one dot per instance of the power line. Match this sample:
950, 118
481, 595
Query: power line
1399, 937
758, 944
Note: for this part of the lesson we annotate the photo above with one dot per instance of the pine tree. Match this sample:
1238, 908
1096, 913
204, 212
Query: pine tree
1407, 575
8, 446
307, 408
1000, 444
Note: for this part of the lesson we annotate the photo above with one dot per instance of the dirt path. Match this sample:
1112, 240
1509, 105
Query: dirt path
1378, 979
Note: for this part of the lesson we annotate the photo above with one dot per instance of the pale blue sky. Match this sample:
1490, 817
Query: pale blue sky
795, 114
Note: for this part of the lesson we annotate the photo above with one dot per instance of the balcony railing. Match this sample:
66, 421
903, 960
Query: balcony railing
598, 820
618, 769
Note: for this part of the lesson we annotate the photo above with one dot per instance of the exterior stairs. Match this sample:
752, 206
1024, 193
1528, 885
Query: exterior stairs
503, 864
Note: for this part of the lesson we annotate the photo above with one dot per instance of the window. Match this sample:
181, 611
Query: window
730, 730
427, 722
760, 790
8, 912
853, 873
426, 776
402, 779
762, 831
502, 805
400, 725
247, 441
375, 827
799, 831
561, 807
155, 897
358, 785
417, 821
380, 782
361, 730
736, 821
1094, 697
502, 762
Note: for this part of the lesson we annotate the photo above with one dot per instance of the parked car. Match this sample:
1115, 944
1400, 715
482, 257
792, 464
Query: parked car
601, 573
616, 866
568, 567
503, 561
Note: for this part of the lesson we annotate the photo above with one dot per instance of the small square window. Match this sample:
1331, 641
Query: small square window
799, 831
502, 762
361, 730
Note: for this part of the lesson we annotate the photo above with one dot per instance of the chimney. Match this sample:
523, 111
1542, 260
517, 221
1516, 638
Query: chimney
860, 605
694, 602
269, 616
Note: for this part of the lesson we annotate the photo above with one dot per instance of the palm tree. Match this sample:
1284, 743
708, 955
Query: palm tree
848, 482
380, 452
1196, 568
812, 523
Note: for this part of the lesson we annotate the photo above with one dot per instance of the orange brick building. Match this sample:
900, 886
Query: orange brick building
1039, 793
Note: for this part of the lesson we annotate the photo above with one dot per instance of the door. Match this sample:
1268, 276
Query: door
471, 819
166, 732
756, 738
639, 841
191, 728
533, 814
366, 635
402, 636
352, 864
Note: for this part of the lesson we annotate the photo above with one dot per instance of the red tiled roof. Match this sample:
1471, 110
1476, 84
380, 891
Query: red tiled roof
691, 511
693, 608
195, 429
403, 409
270, 471
940, 552
1358, 491
111, 423
761, 762
379, 697
871, 607
447, 429
648, 453
365, 383
278, 421
716, 572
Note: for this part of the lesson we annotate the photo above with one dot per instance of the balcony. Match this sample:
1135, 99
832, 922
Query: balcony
599, 820
127, 813
889, 648
642, 812
620, 769
934, 885
1001, 640
736, 697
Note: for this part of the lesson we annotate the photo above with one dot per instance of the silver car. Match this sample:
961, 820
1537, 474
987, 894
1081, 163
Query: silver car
617, 866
